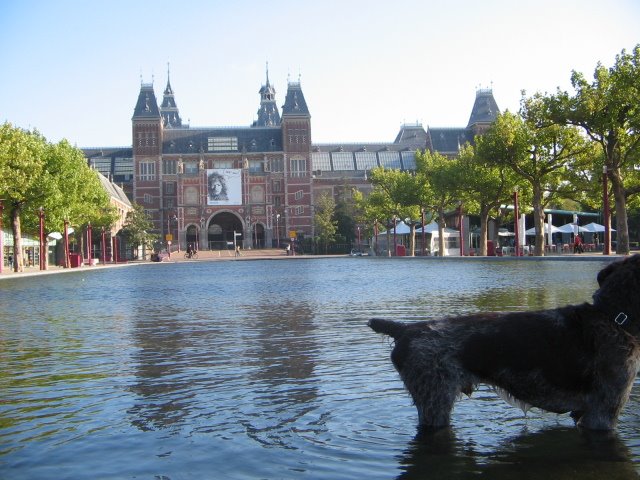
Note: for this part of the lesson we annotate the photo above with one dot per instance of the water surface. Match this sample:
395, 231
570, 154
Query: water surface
266, 369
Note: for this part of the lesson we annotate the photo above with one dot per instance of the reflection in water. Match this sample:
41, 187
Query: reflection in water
161, 388
282, 343
266, 369
560, 453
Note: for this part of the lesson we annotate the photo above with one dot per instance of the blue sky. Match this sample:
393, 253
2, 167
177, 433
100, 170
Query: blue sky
72, 69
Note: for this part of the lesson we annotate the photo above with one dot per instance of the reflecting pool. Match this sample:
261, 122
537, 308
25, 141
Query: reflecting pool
266, 369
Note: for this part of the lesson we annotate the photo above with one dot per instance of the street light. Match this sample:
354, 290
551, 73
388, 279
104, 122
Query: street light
459, 211
42, 243
89, 243
607, 214
1, 236
277, 230
516, 213
423, 232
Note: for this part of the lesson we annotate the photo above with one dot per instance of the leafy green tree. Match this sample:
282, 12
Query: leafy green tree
607, 110
486, 187
23, 179
325, 224
443, 179
396, 195
537, 150
35, 173
138, 227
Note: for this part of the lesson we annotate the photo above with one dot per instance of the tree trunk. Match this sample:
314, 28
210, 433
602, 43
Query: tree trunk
484, 228
412, 240
18, 261
538, 220
622, 228
441, 242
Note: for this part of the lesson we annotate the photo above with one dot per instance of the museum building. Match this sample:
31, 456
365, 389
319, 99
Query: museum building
255, 186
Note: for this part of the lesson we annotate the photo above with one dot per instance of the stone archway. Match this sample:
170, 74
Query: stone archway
191, 235
221, 229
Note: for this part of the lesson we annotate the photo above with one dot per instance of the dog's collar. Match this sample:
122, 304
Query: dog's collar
620, 318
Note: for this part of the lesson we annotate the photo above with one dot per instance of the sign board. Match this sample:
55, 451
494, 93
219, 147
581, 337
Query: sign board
293, 234
168, 237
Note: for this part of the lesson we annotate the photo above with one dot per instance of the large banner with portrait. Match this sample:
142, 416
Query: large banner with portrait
224, 186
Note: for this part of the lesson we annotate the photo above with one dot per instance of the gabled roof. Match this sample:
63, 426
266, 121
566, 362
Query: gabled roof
147, 105
295, 104
114, 191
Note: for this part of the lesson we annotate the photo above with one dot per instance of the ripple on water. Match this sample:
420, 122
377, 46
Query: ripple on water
267, 370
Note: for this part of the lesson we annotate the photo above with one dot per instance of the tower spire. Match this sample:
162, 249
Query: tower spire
268, 114
169, 109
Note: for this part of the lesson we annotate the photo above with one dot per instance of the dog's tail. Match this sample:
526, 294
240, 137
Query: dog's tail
388, 327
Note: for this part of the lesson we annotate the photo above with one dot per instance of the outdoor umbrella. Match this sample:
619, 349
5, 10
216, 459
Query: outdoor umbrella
595, 227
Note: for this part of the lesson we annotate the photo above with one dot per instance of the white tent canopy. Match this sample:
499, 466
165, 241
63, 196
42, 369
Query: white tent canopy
570, 228
401, 229
432, 228
594, 227
532, 230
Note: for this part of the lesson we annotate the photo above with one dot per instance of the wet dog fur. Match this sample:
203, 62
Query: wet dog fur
578, 359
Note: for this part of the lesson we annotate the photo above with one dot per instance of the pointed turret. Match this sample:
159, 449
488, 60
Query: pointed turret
147, 105
485, 111
294, 104
169, 109
268, 114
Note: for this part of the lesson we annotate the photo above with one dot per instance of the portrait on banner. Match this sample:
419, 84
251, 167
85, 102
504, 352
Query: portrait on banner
224, 186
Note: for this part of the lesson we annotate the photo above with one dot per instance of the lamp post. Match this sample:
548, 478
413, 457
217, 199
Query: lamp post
43, 265
1, 236
89, 243
277, 230
516, 213
358, 227
104, 248
459, 211
607, 213
395, 238
423, 232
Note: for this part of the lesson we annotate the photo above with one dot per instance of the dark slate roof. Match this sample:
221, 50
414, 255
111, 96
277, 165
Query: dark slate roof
147, 105
196, 140
295, 103
412, 135
449, 140
485, 109
268, 115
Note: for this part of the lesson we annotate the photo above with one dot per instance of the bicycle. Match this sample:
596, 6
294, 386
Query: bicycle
191, 255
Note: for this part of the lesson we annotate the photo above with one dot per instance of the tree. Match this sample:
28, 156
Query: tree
137, 228
23, 179
325, 224
35, 173
607, 110
443, 179
396, 195
537, 150
486, 187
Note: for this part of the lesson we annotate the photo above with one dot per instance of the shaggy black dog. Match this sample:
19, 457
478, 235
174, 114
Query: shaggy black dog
580, 359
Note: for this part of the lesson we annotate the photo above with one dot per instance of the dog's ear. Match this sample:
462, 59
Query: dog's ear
608, 270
